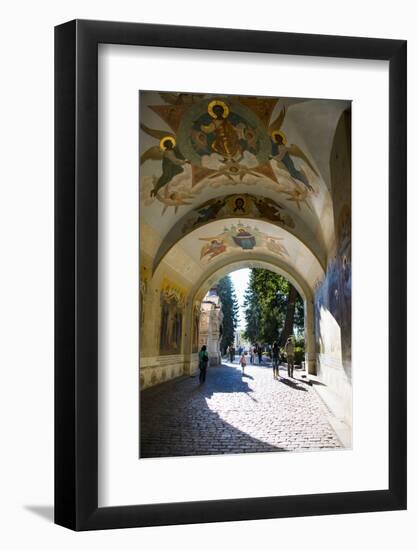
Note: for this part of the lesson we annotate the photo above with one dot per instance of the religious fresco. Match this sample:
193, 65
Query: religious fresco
172, 310
334, 294
241, 206
240, 236
343, 232
221, 140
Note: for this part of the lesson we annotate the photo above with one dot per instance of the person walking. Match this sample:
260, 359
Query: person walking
252, 355
259, 350
202, 363
289, 350
243, 362
231, 353
275, 359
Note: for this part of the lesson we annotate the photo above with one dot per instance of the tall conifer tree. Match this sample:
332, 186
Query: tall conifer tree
230, 309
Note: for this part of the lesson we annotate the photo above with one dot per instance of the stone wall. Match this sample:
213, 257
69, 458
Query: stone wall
154, 370
168, 322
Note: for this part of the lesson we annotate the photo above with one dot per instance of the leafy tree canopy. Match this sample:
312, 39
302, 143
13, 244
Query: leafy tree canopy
273, 308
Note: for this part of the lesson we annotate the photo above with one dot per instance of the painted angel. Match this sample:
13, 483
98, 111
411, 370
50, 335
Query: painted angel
173, 160
174, 197
274, 245
282, 153
298, 195
213, 248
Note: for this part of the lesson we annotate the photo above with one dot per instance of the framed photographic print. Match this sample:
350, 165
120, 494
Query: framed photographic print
230, 275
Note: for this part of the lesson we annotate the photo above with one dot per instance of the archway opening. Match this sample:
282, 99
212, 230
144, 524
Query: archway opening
252, 312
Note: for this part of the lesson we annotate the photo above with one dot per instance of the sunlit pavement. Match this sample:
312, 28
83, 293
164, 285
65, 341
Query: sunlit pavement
234, 413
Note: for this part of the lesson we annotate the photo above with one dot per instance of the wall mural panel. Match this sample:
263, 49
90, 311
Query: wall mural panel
333, 300
172, 312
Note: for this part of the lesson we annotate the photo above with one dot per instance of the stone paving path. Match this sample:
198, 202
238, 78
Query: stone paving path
234, 413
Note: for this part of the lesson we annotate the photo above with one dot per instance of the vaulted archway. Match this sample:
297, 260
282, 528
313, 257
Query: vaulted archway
213, 277
265, 182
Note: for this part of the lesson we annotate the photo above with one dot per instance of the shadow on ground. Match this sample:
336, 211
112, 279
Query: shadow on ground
176, 420
292, 384
45, 512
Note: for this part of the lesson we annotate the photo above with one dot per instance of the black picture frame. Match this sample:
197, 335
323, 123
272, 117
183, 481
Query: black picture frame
76, 272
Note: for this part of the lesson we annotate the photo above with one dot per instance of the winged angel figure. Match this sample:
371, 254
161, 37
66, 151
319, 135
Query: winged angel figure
282, 153
173, 160
214, 247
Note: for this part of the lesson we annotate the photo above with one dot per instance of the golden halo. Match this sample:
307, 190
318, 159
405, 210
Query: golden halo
165, 139
215, 102
279, 133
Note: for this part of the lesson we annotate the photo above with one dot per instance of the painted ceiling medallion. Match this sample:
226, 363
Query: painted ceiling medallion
216, 141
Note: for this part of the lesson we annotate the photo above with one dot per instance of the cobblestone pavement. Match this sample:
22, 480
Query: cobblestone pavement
234, 413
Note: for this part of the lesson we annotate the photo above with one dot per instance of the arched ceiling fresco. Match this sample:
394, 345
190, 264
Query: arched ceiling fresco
245, 206
229, 241
227, 177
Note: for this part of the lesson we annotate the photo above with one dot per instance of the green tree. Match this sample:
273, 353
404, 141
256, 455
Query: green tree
273, 308
230, 310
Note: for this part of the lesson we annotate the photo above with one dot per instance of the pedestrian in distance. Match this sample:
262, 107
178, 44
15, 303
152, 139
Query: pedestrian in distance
259, 351
243, 361
290, 350
275, 359
203, 363
252, 355
231, 353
